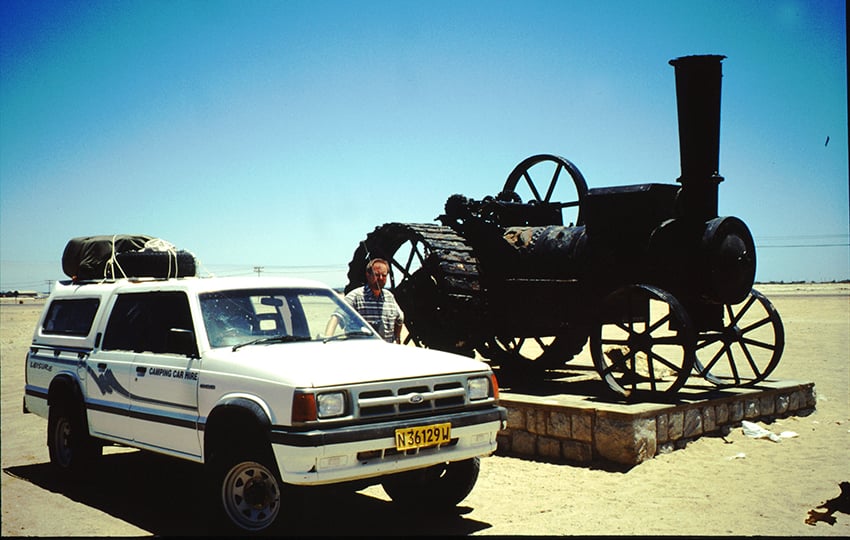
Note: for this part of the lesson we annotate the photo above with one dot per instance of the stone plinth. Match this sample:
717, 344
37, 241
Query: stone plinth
556, 427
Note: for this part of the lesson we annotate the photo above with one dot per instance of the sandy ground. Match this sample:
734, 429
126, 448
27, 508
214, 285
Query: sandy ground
731, 485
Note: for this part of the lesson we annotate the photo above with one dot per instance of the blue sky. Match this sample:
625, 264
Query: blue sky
280, 133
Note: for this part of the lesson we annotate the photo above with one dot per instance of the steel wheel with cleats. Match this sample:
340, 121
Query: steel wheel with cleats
434, 277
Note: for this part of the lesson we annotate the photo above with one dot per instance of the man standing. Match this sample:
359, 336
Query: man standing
376, 304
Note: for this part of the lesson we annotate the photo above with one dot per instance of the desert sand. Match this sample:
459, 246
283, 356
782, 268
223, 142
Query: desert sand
719, 485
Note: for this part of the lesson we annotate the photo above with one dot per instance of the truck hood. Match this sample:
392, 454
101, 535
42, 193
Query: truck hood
318, 364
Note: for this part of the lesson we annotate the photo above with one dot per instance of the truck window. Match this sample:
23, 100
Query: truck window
239, 316
70, 317
141, 322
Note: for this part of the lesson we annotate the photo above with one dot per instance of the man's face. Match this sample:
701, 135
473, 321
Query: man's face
377, 277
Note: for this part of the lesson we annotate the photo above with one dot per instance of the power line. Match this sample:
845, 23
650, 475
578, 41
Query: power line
802, 241
802, 246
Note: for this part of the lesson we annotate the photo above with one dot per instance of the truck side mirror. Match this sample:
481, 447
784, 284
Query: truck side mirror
182, 341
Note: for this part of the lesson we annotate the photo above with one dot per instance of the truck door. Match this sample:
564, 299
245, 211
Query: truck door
107, 376
164, 378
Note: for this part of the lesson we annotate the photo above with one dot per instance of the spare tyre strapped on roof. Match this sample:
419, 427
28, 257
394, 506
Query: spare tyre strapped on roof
160, 264
117, 256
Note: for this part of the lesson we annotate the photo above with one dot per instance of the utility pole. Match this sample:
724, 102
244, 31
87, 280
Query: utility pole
258, 269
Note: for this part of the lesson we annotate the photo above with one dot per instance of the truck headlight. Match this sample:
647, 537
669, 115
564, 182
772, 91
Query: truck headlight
478, 388
331, 404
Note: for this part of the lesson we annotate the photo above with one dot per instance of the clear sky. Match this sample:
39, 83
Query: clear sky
280, 133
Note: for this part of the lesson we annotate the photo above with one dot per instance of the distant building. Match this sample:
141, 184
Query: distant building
17, 294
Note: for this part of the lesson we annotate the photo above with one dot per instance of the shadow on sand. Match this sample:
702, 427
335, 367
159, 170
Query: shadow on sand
168, 497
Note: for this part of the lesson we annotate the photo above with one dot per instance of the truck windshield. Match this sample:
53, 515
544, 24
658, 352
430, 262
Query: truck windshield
265, 316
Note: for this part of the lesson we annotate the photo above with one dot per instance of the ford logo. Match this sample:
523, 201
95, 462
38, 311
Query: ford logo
415, 398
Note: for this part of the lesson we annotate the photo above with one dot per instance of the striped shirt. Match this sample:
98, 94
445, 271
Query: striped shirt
382, 312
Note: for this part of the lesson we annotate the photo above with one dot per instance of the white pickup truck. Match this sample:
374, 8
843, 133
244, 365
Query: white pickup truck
237, 374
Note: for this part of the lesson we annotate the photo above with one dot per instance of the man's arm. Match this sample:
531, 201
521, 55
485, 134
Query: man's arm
397, 330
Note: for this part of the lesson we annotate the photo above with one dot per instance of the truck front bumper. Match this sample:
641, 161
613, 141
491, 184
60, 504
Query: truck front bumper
355, 452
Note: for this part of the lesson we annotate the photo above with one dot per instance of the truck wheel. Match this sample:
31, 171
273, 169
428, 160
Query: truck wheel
248, 491
71, 447
436, 488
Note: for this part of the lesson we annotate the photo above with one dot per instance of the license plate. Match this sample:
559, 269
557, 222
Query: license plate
422, 436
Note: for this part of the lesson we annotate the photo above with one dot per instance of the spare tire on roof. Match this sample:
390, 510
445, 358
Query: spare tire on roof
91, 257
161, 264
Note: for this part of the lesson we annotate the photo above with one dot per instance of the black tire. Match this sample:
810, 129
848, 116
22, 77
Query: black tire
71, 448
434, 277
440, 487
159, 264
248, 490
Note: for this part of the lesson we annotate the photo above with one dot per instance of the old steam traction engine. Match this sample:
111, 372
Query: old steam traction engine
648, 275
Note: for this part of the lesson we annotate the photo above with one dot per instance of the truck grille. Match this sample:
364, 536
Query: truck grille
410, 399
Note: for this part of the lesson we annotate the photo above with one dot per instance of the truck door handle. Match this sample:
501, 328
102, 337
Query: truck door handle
140, 370
101, 366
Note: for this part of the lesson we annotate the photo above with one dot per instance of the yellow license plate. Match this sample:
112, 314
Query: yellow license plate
423, 436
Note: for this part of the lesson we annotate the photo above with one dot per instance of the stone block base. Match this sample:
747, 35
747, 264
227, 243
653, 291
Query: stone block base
578, 428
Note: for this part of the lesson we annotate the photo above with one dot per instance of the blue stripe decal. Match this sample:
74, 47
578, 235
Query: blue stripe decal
179, 420
148, 414
107, 384
36, 391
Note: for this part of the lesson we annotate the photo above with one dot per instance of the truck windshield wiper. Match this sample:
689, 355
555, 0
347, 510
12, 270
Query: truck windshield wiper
355, 334
272, 339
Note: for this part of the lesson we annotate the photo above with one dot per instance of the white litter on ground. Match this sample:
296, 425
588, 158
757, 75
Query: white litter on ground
757, 432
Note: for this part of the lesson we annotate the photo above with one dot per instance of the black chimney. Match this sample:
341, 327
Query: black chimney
698, 81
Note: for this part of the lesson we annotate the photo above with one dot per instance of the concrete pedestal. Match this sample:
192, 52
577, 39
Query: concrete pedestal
560, 422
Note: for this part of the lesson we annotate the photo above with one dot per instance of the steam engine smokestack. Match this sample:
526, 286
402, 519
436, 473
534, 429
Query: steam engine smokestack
698, 81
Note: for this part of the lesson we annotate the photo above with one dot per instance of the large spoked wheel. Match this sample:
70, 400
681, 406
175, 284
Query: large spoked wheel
440, 487
547, 169
434, 277
747, 349
644, 342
